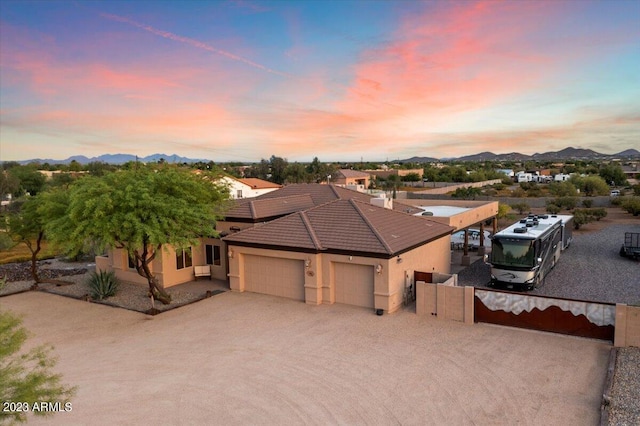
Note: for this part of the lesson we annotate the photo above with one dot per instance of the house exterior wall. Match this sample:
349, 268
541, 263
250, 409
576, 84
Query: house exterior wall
239, 189
432, 257
164, 266
389, 278
365, 180
478, 211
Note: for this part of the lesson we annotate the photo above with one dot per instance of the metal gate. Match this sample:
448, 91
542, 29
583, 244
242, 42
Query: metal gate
558, 315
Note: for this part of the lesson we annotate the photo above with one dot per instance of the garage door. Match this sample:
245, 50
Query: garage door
354, 284
274, 276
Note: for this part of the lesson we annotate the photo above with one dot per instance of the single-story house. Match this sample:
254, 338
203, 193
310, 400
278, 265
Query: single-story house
315, 243
344, 251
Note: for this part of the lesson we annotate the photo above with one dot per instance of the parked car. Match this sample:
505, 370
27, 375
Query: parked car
614, 193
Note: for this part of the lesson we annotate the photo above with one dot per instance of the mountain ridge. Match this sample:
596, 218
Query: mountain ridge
564, 154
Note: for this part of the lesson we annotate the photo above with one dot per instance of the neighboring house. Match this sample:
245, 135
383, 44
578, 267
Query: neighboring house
348, 177
398, 172
561, 177
344, 251
248, 187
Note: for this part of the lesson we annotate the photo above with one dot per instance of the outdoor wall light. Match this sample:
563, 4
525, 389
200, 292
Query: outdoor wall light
307, 263
399, 259
378, 268
230, 254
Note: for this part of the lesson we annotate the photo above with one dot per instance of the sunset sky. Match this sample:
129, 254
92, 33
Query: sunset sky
241, 80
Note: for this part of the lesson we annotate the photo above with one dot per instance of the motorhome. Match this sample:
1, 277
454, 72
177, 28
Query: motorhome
523, 253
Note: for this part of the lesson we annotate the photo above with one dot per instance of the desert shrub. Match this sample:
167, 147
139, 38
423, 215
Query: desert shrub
580, 217
587, 203
617, 201
553, 208
568, 203
499, 186
636, 190
598, 213
3, 282
521, 207
490, 192
103, 284
518, 193
507, 181
631, 205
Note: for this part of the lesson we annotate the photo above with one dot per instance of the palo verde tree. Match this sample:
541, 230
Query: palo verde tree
141, 210
26, 225
26, 378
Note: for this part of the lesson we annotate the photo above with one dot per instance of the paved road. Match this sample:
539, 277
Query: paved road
256, 359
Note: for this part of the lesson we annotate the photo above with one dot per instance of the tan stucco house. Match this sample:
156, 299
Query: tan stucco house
314, 243
345, 251
348, 177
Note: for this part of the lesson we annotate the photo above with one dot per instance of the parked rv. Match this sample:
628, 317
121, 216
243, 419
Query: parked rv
523, 254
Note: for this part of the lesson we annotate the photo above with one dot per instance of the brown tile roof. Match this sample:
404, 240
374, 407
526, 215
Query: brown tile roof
348, 173
256, 183
344, 226
256, 208
324, 193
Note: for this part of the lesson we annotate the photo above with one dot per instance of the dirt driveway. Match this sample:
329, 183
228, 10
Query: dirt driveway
255, 359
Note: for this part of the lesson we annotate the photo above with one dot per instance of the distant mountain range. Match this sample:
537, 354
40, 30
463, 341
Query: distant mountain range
562, 155
117, 159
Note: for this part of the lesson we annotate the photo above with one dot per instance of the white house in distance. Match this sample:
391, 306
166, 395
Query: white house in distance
248, 187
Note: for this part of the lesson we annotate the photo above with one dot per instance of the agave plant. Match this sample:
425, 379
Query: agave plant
103, 284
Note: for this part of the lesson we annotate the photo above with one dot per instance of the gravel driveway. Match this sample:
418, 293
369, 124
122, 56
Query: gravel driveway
590, 269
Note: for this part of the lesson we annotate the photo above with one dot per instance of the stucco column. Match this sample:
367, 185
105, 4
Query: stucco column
466, 259
481, 248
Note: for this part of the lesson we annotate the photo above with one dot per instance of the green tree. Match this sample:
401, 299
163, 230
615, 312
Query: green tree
613, 174
141, 211
9, 184
27, 225
278, 167
26, 377
594, 185
411, 177
562, 189
296, 173
31, 180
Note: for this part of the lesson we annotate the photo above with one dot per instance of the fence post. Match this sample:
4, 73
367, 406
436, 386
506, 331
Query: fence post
468, 305
620, 336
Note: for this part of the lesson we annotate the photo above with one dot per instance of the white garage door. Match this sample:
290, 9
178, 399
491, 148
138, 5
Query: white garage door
274, 276
354, 284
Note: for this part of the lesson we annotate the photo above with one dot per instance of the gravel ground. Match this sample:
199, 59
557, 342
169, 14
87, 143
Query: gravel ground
590, 269
624, 408
129, 296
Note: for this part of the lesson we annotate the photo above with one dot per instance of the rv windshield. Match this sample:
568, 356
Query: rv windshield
513, 252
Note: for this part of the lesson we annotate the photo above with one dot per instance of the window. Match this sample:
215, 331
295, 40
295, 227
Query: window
183, 258
239, 193
513, 252
132, 262
213, 254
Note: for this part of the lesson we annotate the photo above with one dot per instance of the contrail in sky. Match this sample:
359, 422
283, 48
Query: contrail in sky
192, 42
